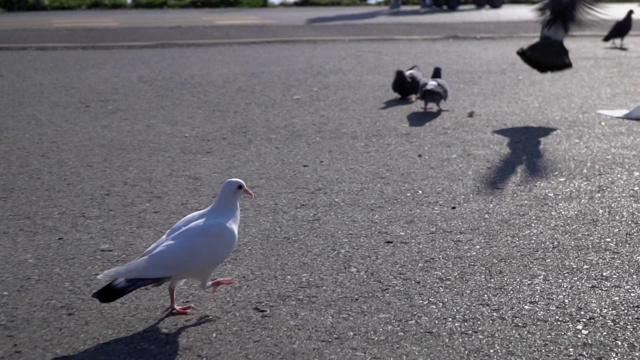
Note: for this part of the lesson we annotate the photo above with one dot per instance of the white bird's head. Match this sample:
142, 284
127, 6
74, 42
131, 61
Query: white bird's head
235, 188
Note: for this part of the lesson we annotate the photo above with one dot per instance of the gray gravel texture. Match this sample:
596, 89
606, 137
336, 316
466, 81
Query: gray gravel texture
378, 231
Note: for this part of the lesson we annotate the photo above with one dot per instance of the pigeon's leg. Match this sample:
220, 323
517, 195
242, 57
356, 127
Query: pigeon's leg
621, 40
441, 109
217, 282
173, 308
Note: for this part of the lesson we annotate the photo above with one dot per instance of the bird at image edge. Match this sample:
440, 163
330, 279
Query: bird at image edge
549, 54
620, 29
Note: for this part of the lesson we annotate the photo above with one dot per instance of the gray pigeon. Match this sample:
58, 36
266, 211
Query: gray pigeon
619, 30
434, 90
406, 83
557, 17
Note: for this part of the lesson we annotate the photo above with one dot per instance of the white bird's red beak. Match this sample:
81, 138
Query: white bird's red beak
250, 193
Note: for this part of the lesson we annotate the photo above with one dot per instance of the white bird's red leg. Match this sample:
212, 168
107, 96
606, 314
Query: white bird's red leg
173, 308
217, 282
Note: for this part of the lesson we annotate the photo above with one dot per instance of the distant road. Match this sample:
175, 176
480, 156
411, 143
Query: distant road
207, 26
238, 16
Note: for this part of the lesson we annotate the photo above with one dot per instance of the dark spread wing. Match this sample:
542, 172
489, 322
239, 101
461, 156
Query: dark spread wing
566, 12
406, 83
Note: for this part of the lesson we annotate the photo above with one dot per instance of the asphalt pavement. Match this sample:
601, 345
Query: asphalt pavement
505, 228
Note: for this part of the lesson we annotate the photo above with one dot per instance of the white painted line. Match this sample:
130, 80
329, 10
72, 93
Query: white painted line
246, 21
236, 20
84, 22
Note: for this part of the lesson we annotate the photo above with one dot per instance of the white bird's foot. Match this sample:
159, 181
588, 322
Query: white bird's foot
173, 308
178, 310
217, 282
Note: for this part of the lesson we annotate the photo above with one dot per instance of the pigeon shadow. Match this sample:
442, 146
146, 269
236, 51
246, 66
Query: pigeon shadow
429, 11
347, 17
396, 102
150, 343
422, 118
524, 149
629, 119
617, 48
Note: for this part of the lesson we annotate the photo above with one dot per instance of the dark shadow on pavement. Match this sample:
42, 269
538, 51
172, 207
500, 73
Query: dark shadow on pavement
429, 11
348, 17
617, 48
377, 13
524, 145
150, 343
422, 118
396, 102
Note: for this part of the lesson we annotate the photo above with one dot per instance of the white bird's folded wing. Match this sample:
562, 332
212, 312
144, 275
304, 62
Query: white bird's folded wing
199, 247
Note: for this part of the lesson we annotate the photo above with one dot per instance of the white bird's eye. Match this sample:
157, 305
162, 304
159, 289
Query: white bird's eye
239, 187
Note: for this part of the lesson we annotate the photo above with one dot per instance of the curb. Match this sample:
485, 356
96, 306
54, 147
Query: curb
255, 41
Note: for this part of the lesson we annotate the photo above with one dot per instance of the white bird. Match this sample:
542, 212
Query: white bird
633, 114
192, 249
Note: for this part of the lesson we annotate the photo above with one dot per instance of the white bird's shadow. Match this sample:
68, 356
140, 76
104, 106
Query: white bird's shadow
150, 343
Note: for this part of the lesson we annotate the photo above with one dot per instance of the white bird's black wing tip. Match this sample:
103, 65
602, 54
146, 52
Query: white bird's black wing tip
546, 55
121, 287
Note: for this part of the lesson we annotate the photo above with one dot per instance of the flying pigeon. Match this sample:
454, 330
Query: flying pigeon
406, 83
619, 30
558, 16
633, 114
434, 90
191, 249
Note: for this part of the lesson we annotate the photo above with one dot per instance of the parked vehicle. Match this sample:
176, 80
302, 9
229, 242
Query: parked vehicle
453, 4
